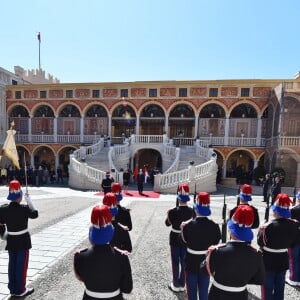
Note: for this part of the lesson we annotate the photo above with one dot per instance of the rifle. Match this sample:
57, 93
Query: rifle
224, 224
238, 199
177, 201
195, 194
295, 196
267, 211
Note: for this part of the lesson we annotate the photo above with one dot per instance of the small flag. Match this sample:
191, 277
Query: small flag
9, 148
39, 36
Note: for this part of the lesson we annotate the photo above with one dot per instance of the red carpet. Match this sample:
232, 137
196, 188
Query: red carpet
146, 194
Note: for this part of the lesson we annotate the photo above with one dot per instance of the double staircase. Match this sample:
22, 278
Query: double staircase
194, 163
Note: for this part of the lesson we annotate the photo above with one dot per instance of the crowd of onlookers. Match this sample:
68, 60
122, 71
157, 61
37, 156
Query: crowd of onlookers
36, 176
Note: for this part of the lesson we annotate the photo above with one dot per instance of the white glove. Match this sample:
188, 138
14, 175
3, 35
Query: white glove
29, 202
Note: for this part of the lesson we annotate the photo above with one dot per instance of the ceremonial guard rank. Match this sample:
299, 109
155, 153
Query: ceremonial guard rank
275, 237
294, 252
105, 272
245, 197
18, 242
121, 238
235, 264
175, 217
198, 234
123, 216
106, 183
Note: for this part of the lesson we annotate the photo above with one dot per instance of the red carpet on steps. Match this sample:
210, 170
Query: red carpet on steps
146, 194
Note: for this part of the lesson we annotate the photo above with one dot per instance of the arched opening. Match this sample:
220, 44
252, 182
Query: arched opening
123, 121
19, 115
43, 120
96, 121
152, 120
181, 121
68, 122
240, 166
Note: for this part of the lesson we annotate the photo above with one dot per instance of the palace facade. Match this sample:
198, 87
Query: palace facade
250, 124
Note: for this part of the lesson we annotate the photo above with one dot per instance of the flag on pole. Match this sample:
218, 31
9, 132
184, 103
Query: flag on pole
39, 37
9, 148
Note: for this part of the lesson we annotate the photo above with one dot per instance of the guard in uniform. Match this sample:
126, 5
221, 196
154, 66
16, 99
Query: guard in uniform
123, 216
275, 237
105, 272
245, 197
175, 217
294, 253
199, 234
18, 242
121, 238
235, 264
106, 183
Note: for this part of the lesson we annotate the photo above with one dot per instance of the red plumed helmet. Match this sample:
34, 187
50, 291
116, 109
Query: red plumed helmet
116, 187
110, 199
246, 189
243, 216
203, 198
283, 200
14, 186
101, 215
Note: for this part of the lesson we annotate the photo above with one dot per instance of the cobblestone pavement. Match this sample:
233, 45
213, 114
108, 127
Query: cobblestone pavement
50, 267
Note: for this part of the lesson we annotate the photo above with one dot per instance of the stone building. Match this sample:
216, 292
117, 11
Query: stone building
248, 123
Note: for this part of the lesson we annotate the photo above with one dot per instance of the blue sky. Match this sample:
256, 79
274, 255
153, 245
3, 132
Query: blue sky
141, 40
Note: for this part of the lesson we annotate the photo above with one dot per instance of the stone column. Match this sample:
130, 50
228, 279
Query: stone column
29, 129
55, 129
81, 129
226, 131
196, 126
224, 168
109, 125
167, 125
258, 135
137, 128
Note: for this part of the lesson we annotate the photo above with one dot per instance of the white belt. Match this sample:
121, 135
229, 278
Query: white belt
102, 295
274, 250
17, 232
201, 252
229, 288
175, 230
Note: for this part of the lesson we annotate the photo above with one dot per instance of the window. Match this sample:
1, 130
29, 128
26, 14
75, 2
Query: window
43, 94
18, 95
245, 92
69, 93
152, 92
124, 93
182, 92
213, 92
96, 93
14, 82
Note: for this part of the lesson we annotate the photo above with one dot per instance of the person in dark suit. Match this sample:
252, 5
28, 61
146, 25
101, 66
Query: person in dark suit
198, 234
105, 271
18, 241
275, 188
245, 197
235, 264
274, 238
294, 252
175, 217
140, 181
266, 187
106, 183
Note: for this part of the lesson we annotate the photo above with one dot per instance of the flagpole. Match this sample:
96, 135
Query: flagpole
39, 39
25, 169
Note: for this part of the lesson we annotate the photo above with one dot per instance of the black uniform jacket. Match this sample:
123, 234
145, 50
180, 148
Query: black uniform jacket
295, 212
121, 238
106, 185
175, 217
15, 216
235, 264
103, 269
124, 217
199, 234
255, 211
279, 233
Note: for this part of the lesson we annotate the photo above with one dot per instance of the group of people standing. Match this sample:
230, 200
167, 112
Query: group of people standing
197, 254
